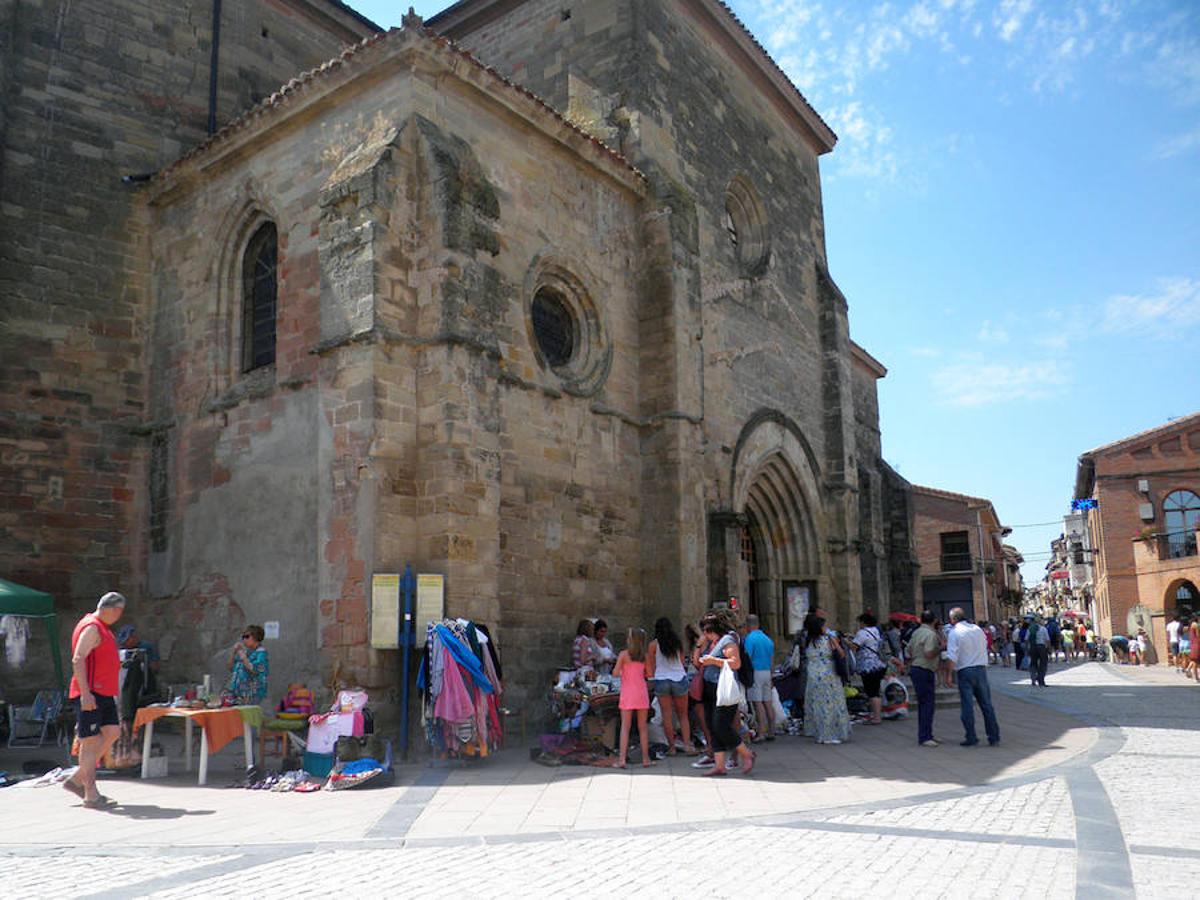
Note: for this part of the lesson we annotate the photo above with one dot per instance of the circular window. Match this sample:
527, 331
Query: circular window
746, 226
553, 327
566, 329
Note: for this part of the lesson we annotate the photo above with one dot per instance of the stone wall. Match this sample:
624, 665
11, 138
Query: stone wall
414, 420
91, 92
734, 328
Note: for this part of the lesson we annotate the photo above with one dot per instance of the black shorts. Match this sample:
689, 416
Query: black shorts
88, 722
871, 682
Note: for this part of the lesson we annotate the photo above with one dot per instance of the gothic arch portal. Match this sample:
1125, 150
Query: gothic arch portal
775, 496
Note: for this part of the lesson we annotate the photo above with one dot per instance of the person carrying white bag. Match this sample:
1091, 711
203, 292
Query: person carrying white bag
722, 694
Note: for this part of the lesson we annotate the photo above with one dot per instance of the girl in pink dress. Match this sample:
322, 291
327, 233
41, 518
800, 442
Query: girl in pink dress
631, 669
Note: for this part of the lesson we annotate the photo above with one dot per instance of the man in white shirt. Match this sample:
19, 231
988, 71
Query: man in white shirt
1173, 641
967, 649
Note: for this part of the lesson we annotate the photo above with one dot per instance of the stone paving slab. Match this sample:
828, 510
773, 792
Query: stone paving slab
510, 795
1093, 824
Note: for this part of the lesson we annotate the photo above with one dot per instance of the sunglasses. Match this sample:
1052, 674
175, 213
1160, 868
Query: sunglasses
246, 635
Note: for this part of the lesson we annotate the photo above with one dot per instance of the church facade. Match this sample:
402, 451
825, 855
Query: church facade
529, 295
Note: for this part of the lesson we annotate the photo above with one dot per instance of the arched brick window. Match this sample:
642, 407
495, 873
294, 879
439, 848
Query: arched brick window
259, 292
1182, 513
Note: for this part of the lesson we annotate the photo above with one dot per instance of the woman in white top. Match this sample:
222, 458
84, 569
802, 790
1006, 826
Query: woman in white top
664, 665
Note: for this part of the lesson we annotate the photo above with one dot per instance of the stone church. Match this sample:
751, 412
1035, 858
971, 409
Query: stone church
531, 294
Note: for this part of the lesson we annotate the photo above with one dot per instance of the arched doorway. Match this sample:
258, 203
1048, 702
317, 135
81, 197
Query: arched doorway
1182, 597
779, 545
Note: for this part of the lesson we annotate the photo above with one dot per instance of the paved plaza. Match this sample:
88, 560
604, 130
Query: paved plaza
1070, 804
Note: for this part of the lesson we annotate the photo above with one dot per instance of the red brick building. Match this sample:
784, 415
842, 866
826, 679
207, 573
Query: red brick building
1144, 527
962, 561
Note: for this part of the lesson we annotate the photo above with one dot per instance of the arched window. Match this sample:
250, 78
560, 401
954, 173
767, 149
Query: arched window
1181, 511
259, 290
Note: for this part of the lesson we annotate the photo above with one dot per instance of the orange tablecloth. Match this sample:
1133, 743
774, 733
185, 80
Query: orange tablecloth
220, 725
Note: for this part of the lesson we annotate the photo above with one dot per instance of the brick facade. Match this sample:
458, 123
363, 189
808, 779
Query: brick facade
1132, 566
979, 576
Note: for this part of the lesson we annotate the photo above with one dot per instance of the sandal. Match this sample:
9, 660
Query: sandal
101, 802
75, 788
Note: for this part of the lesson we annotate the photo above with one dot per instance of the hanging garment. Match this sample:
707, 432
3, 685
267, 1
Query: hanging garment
464, 657
16, 635
453, 704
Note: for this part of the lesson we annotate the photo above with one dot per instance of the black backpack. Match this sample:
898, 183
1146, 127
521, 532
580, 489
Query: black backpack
745, 672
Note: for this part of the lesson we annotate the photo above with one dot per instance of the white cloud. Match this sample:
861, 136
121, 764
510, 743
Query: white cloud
973, 383
1010, 16
1173, 306
926, 352
868, 150
1179, 145
992, 334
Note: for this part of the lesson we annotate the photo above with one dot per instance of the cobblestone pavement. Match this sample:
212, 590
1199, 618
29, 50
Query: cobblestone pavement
1094, 825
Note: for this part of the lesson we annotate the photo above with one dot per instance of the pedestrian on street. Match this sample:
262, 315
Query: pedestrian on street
95, 683
968, 651
945, 666
723, 651
631, 669
826, 718
761, 650
924, 651
664, 665
1173, 641
872, 665
1019, 645
1037, 645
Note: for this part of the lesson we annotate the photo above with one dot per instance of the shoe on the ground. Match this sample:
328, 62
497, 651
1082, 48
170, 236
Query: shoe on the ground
994, 743
733, 763
704, 762
831, 741
930, 743
770, 737
968, 743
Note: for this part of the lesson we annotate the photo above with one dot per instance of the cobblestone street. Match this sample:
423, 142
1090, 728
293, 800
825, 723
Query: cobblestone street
1089, 824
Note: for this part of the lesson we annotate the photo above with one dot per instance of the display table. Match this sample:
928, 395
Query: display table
217, 728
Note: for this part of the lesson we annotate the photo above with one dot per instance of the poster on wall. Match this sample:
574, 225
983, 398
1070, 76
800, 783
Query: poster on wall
431, 604
385, 612
798, 597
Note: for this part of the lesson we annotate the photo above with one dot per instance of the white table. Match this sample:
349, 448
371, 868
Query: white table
187, 716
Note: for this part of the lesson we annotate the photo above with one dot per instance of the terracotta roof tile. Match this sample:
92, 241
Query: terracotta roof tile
1182, 422
949, 495
288, 91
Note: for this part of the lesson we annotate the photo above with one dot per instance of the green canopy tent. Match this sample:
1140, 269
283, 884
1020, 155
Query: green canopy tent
17, 600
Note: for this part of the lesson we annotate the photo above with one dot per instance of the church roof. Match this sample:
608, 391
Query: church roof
950, 495
364, 52
724, 16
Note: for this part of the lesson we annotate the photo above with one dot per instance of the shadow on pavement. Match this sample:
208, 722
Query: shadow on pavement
147, 811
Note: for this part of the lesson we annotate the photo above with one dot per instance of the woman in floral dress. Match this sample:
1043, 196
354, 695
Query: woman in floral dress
825, 716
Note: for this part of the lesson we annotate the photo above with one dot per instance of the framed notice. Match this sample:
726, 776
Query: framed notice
431, 604
797, 598
385, 612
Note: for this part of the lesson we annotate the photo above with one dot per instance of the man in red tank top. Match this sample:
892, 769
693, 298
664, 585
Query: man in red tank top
96, 664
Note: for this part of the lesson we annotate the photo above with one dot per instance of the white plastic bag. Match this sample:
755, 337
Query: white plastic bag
729, 691
777, 705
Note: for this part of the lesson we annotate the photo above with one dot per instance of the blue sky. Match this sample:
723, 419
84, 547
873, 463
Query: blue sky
1011, 211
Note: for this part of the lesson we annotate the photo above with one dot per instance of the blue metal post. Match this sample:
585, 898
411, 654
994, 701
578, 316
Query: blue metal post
408, 587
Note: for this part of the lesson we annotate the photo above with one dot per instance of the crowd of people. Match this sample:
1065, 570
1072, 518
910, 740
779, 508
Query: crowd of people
700, 718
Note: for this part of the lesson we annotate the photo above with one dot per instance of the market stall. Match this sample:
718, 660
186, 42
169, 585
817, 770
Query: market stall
459, 680
217, 728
